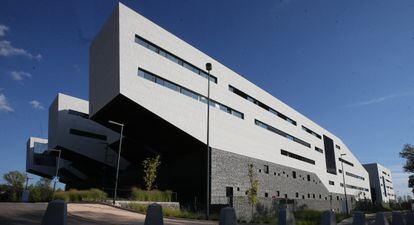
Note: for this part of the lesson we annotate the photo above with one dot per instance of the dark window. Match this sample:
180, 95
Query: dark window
303, 197
76, 113
141, 41
297, 195
311, 132
331, 183
318, 149
161, 81
294, 174
277, 193
320, 196
313, 195
329, 155
286, 196
260, 104
87, 134
346, 162
281, 133
338, 147
266, 169
308, 177
308, 195
298, 157
266, 194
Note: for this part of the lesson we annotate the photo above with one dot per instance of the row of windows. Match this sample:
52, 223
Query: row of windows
298, 157
355, 187
281, 133
262, 105
77, 113
163, 82
294, 174
318, 149
141, 41
87, 134
311, 132
346, 162
354, 176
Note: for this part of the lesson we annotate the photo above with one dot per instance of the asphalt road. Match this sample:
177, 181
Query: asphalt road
80, 214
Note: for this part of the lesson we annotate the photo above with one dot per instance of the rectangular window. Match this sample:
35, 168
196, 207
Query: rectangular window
141, 41
331, 183
346, 162
297, 157
294, 174
266, 169
337, 146
308, 177
260, 104
318, 149
281, 133
165, 83
87, 134
329, 155
311, 132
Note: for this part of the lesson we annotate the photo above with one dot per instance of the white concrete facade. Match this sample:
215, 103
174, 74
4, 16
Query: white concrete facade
381, 181
116, 44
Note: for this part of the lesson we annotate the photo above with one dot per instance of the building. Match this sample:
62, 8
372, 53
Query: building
382, 188
156, 84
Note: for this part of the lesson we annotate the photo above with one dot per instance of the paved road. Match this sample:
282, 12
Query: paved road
80, 214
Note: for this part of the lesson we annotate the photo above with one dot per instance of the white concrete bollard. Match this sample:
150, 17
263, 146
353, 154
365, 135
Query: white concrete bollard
154, 215
286, 217
359, 219
56, 213
328, 218
397, 218
227, 216
380, 219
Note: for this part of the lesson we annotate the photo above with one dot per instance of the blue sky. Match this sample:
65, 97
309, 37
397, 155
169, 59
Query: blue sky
347, 65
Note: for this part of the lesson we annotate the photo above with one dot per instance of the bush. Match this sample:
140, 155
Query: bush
73, 195
169, 212
151, 196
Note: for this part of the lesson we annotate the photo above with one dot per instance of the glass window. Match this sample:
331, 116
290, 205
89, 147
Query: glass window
189, 93
160, 81
149, 77
204, 74
237, 114
141, 42
171, 86
141, 73
152, 48
203, 100
162, 52
172, 58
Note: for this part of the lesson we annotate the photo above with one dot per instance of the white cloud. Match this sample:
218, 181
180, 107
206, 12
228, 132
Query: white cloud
379, 99
20, 75
6, 49
4, 104
3, 30
36, 105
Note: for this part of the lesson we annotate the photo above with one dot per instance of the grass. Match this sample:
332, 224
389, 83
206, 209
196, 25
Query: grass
73, 195
302, 217
151, 196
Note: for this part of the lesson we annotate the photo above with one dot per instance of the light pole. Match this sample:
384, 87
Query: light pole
343, 177
57, 168
208, 68
119, 156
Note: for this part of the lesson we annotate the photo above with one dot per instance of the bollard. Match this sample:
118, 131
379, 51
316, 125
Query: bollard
359, 219
154, 215
409, 218
328, 218
227, 216
380, 219
397, 218
286, 217
56, 213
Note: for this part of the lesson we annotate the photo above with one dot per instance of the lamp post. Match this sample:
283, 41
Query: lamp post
343, 178
208, 68
57, 168
119, 156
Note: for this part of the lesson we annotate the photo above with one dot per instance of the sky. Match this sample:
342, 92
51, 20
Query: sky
347, 65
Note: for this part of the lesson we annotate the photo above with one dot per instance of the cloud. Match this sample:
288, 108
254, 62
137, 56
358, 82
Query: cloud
379, 99
20, 75
3, 30
36, 105
4, 104
6, 50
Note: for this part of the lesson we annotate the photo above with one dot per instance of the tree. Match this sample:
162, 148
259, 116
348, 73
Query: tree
254, 187
408, 154
15, 180
150, 170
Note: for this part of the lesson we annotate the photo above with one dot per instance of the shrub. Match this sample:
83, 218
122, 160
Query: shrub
169, 212
73, 195
151, 196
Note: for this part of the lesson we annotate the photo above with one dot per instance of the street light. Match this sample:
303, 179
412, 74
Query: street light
208, 68
57, 168
119, 156
343, 177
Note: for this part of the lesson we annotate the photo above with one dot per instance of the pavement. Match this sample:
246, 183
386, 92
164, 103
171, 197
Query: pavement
81, 214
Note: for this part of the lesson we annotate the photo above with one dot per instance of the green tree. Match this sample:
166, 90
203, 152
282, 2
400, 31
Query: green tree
254, 187
150, 165
15, 180
408, 154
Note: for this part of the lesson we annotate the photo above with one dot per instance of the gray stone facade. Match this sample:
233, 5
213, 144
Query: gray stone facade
276, 183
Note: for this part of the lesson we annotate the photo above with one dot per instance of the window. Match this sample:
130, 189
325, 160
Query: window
297, 195
294, 174
318, 149
281, 133
313, 195
76, 113
260, 104
277, 193
354, 175
87, 134
346, 162
337, 146
170, 85
331, 183
266, 194
329, 155
141, 41
308, 195
266, 169
311, 132
308, 177
298, 157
